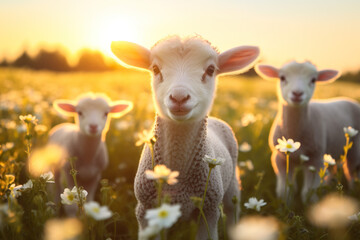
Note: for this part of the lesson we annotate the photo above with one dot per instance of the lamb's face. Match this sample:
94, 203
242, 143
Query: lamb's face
183, 79
297, 83
184, 72
92, 116
296, 80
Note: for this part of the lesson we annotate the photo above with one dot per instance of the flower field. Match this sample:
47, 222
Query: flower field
248, 105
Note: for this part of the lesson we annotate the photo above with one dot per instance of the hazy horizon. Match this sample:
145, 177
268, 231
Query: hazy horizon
324, 32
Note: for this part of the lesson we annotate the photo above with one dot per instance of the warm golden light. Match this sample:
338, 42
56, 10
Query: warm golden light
106, 29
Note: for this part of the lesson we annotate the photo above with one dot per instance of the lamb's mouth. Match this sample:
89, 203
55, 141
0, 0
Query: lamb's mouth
296, 100
179, 110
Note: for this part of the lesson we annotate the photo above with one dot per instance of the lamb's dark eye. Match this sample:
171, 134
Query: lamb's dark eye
80, 113
282, 78
313, 80
156, 70
210, 70
105, 114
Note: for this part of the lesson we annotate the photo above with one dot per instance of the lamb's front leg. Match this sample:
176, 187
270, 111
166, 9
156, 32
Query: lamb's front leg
311, 182
140, 215
90, 186
279, 166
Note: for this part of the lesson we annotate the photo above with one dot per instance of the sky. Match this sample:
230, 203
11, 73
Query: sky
326, 32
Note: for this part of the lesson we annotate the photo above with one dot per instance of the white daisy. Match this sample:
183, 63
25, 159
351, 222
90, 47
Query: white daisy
355, 217
15, 190
97, 212
164, 173
29, 184
253, 203
287, 145
350, 131
213, 161
304, 158
164, 216
48, 177
245, 147
329, 160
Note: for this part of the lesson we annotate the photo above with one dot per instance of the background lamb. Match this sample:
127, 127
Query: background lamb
183, 86
317, 125
85, 140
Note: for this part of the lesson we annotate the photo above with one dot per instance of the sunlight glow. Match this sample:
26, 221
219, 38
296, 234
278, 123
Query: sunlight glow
104, 30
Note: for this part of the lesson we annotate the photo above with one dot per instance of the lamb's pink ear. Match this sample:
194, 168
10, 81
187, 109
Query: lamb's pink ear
120, 108
327, 75
238, 59
267, 72
65, 107
131, 54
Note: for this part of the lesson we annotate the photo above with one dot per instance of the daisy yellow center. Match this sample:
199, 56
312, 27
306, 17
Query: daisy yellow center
163, 214
289, 145
96, 210
71, 197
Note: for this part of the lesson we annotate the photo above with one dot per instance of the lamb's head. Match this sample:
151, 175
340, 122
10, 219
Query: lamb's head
296, 80
92, 112
184, 72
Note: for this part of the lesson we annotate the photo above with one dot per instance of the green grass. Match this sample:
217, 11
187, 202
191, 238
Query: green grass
24, 92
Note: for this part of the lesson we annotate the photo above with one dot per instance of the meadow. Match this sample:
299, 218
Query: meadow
249, 105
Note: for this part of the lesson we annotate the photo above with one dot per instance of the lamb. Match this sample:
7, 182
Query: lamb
183, 84
85, 140
317, 125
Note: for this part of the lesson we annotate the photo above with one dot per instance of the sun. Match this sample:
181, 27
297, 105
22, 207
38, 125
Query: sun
106, 29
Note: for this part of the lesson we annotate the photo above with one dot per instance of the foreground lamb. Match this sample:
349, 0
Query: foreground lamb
183, 83
317, 125
85, 140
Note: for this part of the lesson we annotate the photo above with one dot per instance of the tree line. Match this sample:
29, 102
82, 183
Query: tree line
89, 60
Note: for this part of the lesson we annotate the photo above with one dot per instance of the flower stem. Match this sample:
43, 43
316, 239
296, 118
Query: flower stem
152, 155
73, 173
206, 186
28, 140
206, 223
346, 149
162, 234
160, 192
287, 176
203, 202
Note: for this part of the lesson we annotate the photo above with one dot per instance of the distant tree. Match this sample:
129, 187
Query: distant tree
91, 61
4, 63
113, 65
351, 77
51, 60
24, 60
250, 73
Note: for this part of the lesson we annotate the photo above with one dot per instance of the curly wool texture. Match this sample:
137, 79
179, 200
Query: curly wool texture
182, 147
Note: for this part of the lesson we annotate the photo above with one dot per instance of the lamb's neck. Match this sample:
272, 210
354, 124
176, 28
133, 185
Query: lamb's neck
177, 144
293, 120
87, 146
